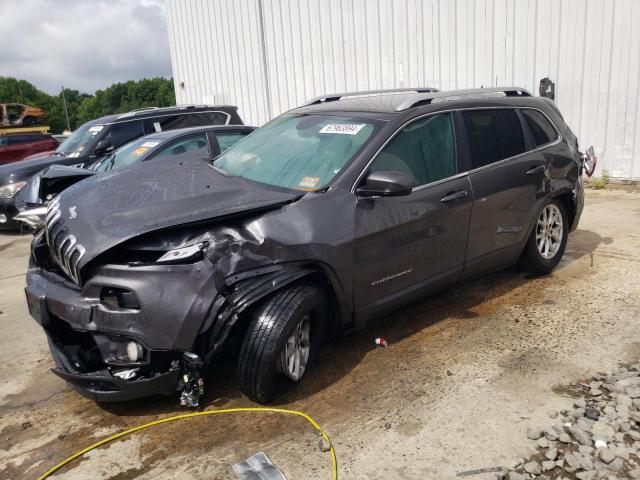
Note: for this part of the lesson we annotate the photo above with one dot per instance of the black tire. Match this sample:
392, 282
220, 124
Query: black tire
532, 258
271, 324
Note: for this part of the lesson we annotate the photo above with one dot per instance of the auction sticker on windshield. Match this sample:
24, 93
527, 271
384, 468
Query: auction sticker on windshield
96, 129
150, 144
343, 128
140, 151
309, 182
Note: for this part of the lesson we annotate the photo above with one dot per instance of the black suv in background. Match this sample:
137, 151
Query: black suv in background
97, 138
331, 214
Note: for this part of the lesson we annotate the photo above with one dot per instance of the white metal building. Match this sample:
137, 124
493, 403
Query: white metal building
268, 56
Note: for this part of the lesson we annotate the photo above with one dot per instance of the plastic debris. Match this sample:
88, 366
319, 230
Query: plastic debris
601, 444
258, 467
381, 342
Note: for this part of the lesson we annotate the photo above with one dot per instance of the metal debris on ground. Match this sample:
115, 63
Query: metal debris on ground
479, 471
258, 467
598, 438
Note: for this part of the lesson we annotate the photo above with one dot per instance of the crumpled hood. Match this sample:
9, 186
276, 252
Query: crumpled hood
105, 210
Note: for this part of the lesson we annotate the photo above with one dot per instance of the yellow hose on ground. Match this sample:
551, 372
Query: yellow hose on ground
334, 462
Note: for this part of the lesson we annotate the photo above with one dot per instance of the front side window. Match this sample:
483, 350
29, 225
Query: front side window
121, 133
196, 144
226, 140
494, 135
300, 152
541, 129
424, 150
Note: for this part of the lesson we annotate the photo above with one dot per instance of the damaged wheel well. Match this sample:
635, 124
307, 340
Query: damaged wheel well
228, 318
569, 205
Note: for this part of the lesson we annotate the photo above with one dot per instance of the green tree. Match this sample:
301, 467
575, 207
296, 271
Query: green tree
82, 107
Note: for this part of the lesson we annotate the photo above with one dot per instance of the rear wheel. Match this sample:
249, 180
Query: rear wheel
282, 341
548, 239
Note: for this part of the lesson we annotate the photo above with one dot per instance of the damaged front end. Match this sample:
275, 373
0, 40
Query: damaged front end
146, 316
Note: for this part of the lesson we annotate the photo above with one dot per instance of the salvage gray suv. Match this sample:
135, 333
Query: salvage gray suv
331, 214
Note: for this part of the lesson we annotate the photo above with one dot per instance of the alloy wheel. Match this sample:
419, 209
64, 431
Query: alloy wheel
296, 351
549, 231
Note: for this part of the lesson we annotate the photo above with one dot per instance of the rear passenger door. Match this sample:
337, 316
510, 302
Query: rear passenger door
507, 175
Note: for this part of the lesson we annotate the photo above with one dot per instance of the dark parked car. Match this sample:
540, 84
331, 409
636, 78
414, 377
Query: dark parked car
16, 146
170, 145
328, 216
96, 139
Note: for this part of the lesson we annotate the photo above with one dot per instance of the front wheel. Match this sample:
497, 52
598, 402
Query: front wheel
548, 239
282, 341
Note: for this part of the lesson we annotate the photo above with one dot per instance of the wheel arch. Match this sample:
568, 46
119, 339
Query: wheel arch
246, 289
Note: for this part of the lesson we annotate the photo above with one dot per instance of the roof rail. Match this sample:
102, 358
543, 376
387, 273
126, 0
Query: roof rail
142, 109
427, 98
337, 96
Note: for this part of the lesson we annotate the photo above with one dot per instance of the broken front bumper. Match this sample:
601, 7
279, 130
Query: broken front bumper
161, 308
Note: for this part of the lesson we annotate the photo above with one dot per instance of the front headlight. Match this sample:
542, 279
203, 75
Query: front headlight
9, 190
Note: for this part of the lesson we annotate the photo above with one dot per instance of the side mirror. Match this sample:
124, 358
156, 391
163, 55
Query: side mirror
589, 161
103, 146
386, 184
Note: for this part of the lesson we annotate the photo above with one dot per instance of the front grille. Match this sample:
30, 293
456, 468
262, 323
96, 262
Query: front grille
64, 247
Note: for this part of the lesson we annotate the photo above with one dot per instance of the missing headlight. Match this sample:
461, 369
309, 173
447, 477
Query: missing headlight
184, 254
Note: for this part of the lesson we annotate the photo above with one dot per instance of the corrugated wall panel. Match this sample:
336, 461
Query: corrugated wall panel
267, 56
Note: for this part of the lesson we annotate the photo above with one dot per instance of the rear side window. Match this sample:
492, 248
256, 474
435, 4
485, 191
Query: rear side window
226, 140
424, 150
121, 133
206, 118
184, 120
493, 135
541, 129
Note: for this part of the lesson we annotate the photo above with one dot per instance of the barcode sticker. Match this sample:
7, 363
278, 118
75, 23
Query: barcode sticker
343, 128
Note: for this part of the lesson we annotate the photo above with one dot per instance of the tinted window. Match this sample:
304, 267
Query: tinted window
541, 130
183, 120
196, 144
227, 140
425, 150
493, 135
121, 133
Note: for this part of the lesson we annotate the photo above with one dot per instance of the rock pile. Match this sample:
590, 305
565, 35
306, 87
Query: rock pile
599, 438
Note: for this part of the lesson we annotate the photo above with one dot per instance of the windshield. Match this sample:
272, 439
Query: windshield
302, 152
128, 154
79, 141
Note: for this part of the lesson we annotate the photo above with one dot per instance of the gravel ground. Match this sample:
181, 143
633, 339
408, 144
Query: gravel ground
466, 374
598, 438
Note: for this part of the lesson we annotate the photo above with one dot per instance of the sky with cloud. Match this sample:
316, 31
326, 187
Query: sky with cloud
83, 44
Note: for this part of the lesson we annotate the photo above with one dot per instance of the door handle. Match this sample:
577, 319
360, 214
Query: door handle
538, 169
452, 197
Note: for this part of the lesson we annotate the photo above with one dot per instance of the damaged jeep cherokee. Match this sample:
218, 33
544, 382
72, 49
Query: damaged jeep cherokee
331, 214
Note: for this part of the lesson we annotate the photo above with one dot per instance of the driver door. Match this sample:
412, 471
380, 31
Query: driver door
410, 245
